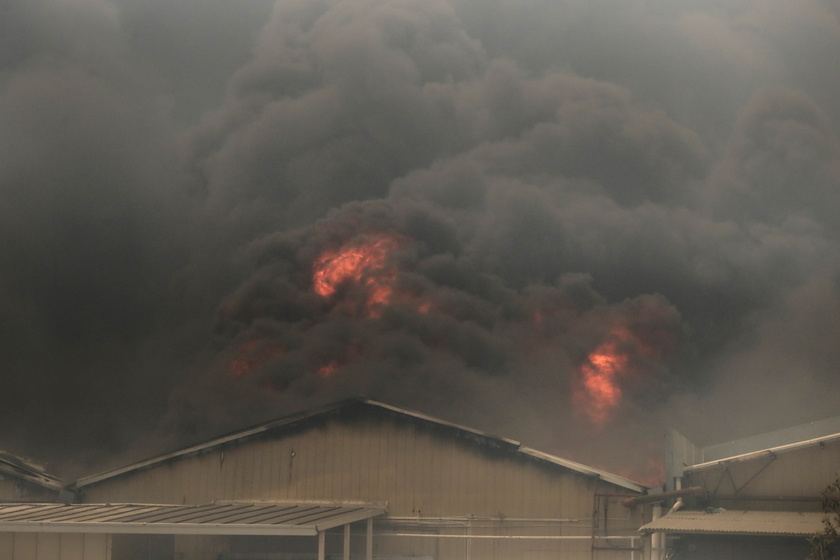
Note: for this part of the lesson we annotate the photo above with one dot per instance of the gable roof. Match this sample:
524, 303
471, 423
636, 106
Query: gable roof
17, 467
346, 406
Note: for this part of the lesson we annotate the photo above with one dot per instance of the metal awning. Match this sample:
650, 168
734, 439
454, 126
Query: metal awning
732, 522
230, 518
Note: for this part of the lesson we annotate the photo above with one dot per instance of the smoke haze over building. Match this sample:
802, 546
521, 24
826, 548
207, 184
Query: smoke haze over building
566, 222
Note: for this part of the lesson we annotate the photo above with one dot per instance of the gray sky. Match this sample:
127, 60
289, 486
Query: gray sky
653, 181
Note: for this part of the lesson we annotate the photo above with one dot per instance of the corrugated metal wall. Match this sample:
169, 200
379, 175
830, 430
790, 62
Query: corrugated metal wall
54, 546
775, 475
417, 470
421, 471
16, 490
8, 489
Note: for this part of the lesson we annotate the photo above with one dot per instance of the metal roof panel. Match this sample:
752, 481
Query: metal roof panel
830, 439
503, 443
261, 518
739, 522
24, 469
769, 440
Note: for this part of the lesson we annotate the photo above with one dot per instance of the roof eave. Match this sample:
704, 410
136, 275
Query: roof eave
512, 445
763, 453
156, 529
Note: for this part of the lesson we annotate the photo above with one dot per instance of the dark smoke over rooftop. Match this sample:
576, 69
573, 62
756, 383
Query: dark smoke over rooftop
566, 223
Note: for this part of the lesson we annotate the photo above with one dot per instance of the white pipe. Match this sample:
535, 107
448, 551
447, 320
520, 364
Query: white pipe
677, 505
451, 525
544, 519
515, 537
656, 538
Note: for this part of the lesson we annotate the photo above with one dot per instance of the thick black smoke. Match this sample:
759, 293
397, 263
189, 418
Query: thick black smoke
658, 179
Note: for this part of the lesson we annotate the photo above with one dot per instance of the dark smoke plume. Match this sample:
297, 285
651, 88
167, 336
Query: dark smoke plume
572, 223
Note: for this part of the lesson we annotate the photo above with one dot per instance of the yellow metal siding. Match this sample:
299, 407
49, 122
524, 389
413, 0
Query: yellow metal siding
54, 546
7, 545
422, 472
783, 475
18, 490
25, 546
8, 491
414, 469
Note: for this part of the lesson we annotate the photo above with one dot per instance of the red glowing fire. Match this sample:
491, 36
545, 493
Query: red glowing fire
599, 377
363, 263
598, 391
329, 368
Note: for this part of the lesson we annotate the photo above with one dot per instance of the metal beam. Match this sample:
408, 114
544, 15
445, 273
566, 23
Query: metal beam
761, 470
156, 529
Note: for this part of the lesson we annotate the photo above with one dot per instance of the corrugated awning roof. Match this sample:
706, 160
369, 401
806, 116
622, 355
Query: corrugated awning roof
732, 522
232, 518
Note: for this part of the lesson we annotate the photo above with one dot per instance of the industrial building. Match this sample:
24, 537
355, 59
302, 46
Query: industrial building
356, 479
22, 480
758, 497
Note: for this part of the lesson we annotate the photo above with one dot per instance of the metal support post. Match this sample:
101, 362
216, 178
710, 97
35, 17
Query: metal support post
369, 544
347, 542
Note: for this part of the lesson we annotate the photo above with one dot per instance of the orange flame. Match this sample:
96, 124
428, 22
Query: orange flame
365, 264
329, 368
599, 392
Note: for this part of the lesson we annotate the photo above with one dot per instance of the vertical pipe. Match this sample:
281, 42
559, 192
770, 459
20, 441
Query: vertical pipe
369, 543
347, 542
606, 516
468, 542
656, 538
594, 522
677, 505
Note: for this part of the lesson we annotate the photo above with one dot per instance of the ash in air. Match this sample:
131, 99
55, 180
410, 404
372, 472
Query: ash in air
565, 223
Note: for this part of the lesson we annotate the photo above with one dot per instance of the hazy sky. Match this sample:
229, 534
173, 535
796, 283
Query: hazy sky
648, 187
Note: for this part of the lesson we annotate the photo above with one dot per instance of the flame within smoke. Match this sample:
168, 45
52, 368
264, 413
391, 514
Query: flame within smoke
599, 392
329, 368
365, 264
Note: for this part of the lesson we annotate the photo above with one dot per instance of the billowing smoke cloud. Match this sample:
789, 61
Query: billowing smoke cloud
570, 224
